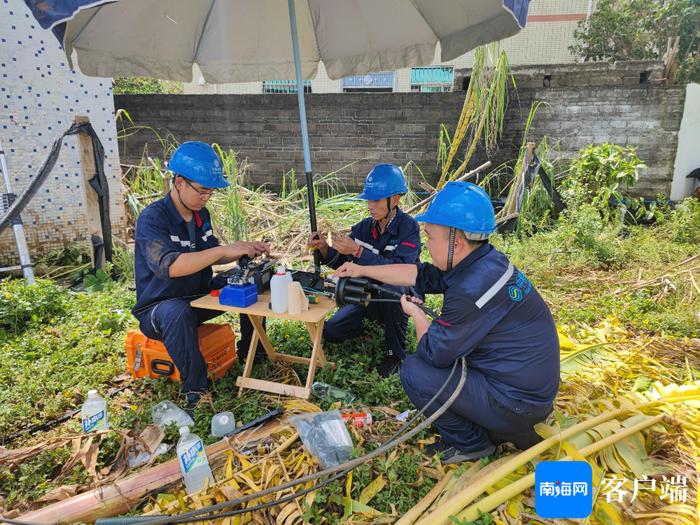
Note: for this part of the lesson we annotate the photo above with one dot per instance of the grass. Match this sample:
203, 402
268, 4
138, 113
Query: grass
56, 344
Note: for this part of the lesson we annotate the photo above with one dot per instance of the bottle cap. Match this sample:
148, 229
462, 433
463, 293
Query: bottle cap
281, 270
92, 393
184, 430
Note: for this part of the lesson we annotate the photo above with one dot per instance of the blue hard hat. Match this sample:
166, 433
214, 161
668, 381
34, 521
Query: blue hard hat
198, 162
464, 206
383, 181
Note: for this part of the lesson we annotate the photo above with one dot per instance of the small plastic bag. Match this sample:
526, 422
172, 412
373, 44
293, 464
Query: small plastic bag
167, 412
324, 436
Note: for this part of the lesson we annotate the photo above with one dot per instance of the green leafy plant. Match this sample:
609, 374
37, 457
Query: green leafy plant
97, 282
599, 175
24, 306
639, 29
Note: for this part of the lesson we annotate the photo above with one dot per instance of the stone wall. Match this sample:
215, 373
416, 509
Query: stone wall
583, 103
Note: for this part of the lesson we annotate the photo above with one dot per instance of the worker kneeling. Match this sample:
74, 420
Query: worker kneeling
492, 315
387, 236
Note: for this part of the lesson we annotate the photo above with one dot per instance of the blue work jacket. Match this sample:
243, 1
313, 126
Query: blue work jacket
161, 236
399, 244
493, 315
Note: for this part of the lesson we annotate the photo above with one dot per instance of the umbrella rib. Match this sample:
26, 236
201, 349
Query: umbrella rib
313, 27
92, 15
201, 34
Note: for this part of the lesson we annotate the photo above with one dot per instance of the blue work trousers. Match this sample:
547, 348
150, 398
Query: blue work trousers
479, 417
175, 323
346, 323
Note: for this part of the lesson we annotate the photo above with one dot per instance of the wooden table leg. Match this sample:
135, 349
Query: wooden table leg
248, 369
317, 354
257, 323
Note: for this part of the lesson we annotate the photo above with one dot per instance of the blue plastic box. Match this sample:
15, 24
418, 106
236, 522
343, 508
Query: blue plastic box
240, 295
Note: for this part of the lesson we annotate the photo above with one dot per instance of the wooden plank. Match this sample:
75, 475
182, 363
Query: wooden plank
256, 321
92, 205
124, 494
250, 358
314, 314
274, 388
303, 360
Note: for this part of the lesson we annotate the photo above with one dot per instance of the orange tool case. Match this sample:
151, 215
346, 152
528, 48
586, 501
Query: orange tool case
148, 357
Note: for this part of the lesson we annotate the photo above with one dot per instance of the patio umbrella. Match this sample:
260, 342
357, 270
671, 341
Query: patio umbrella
249, 40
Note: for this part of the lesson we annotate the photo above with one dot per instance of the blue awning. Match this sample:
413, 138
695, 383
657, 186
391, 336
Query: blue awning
432, 75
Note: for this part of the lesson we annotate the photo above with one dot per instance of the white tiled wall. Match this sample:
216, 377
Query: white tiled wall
39, 98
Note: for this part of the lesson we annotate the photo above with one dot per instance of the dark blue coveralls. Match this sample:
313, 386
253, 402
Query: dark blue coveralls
494, 316
163, 302
399, 244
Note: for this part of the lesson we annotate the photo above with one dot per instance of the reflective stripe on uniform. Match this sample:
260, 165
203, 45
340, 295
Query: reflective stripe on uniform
488, 295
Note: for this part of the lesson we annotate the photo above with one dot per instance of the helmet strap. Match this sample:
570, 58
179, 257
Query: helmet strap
388, 209
451, 248
177, 190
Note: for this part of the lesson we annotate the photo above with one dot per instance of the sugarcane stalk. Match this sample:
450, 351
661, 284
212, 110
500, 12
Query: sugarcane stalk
123, 494
457, 502
495, 499
415, 512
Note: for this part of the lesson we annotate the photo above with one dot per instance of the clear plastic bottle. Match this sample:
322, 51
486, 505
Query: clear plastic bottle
193, 461
93, 414
278, 289
222, 424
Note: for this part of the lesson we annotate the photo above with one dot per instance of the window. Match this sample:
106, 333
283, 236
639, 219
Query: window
370, 83
432, 79
284, 86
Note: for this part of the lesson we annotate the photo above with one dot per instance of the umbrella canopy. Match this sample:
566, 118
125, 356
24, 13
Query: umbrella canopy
249, 40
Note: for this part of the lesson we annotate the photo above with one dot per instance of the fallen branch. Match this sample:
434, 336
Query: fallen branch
493, 500
425, 201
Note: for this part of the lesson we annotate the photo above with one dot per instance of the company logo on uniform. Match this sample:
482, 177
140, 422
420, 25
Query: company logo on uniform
563, 489
520, 289
515, 293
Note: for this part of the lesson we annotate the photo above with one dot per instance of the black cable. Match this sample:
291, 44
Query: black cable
46, 425
322, 484
339, 470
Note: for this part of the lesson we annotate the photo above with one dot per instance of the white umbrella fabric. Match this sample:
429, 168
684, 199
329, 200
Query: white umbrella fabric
249, 40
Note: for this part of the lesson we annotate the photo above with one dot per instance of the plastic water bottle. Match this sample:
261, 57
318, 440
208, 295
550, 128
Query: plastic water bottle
93, 414
193, 461
278, 289
222, 424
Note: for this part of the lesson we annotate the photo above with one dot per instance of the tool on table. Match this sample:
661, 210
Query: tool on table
241, 284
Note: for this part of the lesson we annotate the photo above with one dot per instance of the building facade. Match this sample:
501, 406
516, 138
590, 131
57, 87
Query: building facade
39, 98
545, 40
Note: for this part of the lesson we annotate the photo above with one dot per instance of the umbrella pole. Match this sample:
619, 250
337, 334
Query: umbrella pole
304, 130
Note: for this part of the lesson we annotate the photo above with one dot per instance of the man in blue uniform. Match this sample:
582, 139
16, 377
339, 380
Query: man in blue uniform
491, 315
175, 249
387, 236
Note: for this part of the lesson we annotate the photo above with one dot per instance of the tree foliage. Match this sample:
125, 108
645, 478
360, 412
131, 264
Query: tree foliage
639, 30
145, 86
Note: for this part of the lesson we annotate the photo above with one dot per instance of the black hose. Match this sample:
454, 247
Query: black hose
337, 471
